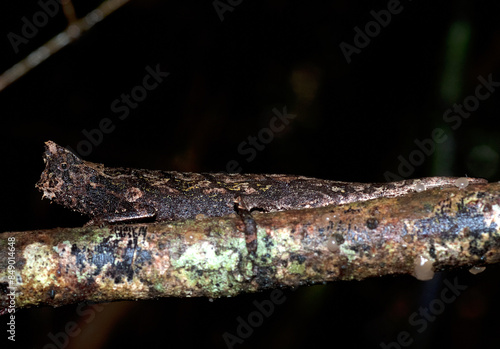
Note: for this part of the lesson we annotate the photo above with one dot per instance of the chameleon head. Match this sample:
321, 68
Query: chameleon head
63, 179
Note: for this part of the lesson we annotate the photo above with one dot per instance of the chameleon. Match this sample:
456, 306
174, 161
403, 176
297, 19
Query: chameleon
110, 195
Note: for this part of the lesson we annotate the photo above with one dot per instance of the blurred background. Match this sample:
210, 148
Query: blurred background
365, 89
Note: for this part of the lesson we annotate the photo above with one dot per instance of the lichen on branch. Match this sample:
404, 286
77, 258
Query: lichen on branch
416, 234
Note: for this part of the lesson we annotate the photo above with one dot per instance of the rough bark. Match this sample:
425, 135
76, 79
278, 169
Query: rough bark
450, 228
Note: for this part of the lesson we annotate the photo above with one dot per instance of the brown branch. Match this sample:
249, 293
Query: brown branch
415, 234
74, 30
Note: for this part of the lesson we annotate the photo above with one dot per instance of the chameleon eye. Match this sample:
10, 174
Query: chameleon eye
63, 166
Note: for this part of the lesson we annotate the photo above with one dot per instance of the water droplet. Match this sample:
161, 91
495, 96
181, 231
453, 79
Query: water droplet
210, 299
461, 182
332, 245
423, 269
419, 187
476, 270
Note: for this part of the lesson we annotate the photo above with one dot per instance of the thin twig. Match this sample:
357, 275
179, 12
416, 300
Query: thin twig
74, 30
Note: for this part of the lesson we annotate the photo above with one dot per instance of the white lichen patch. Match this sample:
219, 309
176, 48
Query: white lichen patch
202, 255
284, 243
63, 249
423, 269
202, 266
492, 217
40, 265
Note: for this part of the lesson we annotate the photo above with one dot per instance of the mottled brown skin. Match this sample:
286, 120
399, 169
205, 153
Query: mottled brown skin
123, 194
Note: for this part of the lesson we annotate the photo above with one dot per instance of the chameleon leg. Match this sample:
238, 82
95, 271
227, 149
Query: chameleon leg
249, 223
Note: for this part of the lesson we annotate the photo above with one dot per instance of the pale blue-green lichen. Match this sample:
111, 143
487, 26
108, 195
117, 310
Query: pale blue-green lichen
40, 264
66, 244
205, 264
282, 243
296, 268
203, 256
347, 252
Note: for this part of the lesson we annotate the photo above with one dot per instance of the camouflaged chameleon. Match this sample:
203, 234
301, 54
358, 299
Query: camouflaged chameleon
124, 194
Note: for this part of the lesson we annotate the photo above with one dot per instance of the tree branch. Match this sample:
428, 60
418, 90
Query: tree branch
414, 234
72, 33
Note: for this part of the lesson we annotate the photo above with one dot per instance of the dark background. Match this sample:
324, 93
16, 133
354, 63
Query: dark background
353, 122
